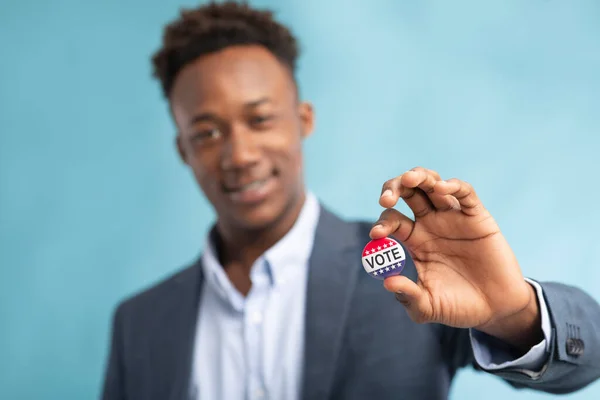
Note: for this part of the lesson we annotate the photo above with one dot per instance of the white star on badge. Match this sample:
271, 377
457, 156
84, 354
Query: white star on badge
378, 247
393, 266
387, 269
391, 243
372, 250
367, 252
375, 273
384, 246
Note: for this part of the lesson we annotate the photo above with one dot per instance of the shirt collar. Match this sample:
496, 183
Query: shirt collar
294, 249
291, 251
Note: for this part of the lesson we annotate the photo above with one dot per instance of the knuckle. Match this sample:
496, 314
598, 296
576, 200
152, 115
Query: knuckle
407, 193
435, 174
428, 184
387, 213
389, 184
421, 212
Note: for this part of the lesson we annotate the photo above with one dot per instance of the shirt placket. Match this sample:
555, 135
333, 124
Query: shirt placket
254, 316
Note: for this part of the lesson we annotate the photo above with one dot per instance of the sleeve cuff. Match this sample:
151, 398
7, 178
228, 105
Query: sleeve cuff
493, 354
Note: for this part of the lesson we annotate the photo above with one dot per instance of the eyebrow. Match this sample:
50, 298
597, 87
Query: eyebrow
257, 102
202, 117
208, 117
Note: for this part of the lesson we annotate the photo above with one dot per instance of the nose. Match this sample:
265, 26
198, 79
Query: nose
240, 150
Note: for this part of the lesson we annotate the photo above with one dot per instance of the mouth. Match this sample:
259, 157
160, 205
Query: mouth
251, 192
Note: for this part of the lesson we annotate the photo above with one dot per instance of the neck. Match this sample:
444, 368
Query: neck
243, 246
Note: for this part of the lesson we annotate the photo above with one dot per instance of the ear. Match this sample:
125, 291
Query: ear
180, 149
307, 118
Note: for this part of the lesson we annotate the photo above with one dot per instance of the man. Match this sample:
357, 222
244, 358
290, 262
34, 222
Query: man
279, 306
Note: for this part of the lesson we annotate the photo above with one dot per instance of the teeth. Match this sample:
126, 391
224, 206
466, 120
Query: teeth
252, 185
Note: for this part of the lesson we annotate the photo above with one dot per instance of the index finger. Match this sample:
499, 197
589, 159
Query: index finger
415, 187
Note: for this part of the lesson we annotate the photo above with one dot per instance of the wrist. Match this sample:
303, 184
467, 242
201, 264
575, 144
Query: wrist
522, 329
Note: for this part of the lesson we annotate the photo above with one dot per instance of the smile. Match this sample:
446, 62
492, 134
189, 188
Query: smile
252, 192
252, 185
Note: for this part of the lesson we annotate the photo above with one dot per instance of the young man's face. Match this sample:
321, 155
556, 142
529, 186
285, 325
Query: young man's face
240, 131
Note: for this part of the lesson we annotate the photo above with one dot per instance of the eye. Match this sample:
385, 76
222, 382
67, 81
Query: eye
206, 135
260, 120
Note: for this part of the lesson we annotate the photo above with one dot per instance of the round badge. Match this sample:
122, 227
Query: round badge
383, 257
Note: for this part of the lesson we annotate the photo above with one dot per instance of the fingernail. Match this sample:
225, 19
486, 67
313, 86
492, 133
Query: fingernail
387, 192
377, 226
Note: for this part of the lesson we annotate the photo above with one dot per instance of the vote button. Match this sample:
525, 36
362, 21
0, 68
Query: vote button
383, 257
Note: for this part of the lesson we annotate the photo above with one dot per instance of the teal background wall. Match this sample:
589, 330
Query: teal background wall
95, 205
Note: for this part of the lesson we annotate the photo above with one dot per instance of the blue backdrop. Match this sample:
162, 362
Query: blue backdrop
94, 203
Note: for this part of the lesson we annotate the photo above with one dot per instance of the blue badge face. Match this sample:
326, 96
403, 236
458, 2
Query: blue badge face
383, 257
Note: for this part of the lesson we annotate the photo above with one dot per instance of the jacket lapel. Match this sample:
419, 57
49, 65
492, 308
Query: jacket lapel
174, 339
331, 281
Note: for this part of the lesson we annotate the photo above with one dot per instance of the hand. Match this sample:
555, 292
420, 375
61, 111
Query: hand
468, 275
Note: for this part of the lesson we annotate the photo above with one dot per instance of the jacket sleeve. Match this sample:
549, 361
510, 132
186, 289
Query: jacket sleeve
574, 351
113, 387
573, 357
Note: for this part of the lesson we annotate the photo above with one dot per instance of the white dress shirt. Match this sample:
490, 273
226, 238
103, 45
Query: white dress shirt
252, 347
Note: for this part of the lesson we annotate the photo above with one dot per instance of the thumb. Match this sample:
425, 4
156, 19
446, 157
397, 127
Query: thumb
411, 296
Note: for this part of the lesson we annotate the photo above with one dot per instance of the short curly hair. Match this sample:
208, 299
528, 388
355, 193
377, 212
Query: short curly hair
215, 26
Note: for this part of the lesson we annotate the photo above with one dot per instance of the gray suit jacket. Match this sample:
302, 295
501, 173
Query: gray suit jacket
359, 342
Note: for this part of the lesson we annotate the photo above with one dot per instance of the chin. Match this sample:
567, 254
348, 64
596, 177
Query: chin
255, 223
257, 218
260, 216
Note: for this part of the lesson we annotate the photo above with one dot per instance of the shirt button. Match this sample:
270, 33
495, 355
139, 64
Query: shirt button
256, 318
